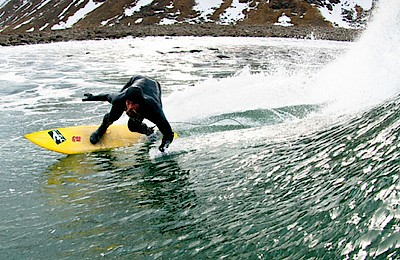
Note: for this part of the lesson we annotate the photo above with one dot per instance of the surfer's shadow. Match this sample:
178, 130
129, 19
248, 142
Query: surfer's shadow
163, 185
161, 179
156, 169
139, 167
135, 182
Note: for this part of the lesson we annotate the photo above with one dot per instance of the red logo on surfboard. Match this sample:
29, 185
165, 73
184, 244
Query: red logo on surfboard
76, 139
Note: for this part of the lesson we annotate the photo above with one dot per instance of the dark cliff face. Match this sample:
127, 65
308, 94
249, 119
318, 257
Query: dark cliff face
46, 15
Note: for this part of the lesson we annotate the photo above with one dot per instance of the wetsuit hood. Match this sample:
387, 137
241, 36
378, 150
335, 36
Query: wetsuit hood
134, 94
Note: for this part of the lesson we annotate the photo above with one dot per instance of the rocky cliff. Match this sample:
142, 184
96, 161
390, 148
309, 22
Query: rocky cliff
21, 16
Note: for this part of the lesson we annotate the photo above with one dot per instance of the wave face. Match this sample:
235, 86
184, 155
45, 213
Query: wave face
288, 149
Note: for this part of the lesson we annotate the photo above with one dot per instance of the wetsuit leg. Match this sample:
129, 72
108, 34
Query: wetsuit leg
96, 135
136, 125
108, 119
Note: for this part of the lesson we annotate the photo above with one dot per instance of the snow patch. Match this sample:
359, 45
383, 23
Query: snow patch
167, 21
81, 13
206, 8
21, 24
284, 21
336, 15
234, 13
43, 27
43, 4
136, 8
3, 2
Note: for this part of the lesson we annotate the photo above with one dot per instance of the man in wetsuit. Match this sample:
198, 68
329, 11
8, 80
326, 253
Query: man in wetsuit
140, 98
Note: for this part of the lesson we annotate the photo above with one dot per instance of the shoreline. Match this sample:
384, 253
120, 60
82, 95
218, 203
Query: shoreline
213, 30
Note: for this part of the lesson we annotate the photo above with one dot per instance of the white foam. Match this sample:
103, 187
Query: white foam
364, 77
242, 92
33, 97
12, 77
368, 74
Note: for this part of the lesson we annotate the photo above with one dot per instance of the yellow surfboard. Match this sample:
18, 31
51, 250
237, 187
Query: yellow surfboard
75, 140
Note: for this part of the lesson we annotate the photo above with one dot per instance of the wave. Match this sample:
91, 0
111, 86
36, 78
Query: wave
245, 119
362, 78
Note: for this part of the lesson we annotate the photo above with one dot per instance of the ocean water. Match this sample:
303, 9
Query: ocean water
288, 149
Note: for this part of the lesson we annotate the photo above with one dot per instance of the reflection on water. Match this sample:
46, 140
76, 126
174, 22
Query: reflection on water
118, 202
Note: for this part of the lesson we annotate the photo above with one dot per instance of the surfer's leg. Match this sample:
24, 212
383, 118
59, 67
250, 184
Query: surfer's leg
136, 125
96, 136
108, 119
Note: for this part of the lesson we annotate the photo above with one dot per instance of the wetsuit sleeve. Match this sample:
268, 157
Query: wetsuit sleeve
167, 138
114, 114
100, 97
165, 128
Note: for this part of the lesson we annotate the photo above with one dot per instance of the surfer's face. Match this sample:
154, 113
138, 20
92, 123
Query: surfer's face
131, 108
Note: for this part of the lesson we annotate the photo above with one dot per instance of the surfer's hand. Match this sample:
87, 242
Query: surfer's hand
149, 131
163, 146
89, 97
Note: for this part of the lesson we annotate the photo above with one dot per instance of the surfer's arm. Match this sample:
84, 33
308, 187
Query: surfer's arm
166, 141
165, 128
100, 97
114, 114
156, 115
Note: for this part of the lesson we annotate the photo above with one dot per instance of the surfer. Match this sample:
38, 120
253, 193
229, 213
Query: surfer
140, 98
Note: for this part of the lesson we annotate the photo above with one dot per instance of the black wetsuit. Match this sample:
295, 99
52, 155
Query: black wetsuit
150, 108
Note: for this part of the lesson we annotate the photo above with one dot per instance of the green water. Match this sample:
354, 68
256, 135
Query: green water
282, 182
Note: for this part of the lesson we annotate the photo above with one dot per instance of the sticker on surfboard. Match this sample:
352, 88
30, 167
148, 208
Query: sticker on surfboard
58, 138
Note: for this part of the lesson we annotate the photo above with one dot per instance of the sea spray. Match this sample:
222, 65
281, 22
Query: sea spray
244, 91
368, 73
365, 76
